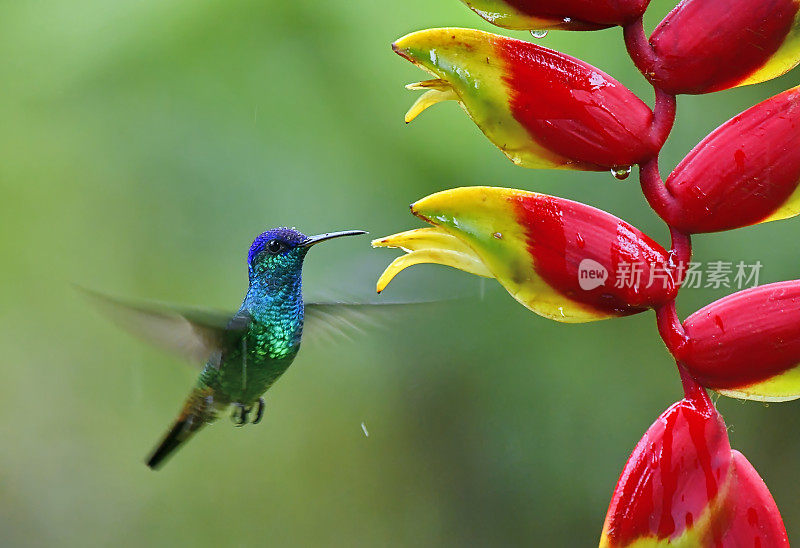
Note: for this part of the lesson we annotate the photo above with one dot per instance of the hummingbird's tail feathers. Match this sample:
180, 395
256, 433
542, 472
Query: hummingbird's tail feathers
178, 434
198, 410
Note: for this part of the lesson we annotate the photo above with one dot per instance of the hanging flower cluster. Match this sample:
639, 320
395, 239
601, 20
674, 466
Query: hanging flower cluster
683, 484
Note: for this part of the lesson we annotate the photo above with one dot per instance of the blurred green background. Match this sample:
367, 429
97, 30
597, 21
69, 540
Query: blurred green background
143, 144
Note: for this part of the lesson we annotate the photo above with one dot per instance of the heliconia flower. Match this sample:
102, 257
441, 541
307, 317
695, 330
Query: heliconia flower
745, 172
563, 260
747, 345
542, 108
558, 14
703, 46
684, 486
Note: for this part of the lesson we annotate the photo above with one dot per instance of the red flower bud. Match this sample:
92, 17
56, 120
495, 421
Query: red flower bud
710, 45
558, 14
745, 172
684, 485
747, 345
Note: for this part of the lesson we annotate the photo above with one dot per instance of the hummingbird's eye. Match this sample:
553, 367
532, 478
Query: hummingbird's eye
275, 246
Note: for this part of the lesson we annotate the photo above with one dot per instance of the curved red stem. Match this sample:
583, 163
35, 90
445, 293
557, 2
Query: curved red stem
693, 392
664, 110
681, 252
639, 47
656, 192
671, 329
643, 56
664, 204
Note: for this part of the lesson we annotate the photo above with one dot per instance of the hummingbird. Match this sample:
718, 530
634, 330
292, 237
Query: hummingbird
245, 352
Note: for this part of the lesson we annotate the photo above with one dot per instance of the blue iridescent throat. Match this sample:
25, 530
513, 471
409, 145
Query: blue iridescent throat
275, 298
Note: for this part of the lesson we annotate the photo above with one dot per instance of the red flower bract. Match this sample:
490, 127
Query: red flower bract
563, 235
542, 108
563, 14
576, 109
745, 172
562, 259
748, 344
601, 12
710, 45
683, 484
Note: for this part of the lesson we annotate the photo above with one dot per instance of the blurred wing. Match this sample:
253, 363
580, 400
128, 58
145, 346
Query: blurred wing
336, 320
195, 334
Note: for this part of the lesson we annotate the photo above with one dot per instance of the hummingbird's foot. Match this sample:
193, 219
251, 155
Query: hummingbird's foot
240, 415
260, 411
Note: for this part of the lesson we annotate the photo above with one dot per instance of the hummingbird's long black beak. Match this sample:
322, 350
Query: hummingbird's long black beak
330, 235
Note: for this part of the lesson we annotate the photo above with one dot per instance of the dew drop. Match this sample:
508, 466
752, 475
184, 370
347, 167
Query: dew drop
621, 173
567, 20
538, 33
580, 241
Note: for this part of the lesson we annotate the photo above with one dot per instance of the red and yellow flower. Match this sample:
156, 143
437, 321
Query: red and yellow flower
558, 14
683, 485
542, 108
747, 345
562, 259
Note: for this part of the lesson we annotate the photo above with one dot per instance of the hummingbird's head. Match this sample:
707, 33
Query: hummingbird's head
282, 250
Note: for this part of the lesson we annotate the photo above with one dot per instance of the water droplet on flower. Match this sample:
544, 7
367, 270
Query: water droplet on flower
538, 33
580, 241
621, 173
567, 20
498, 235
364, 428
597, 81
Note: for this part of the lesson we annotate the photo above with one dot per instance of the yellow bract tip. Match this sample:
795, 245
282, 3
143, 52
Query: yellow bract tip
435, 83
430, 98
429, 245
